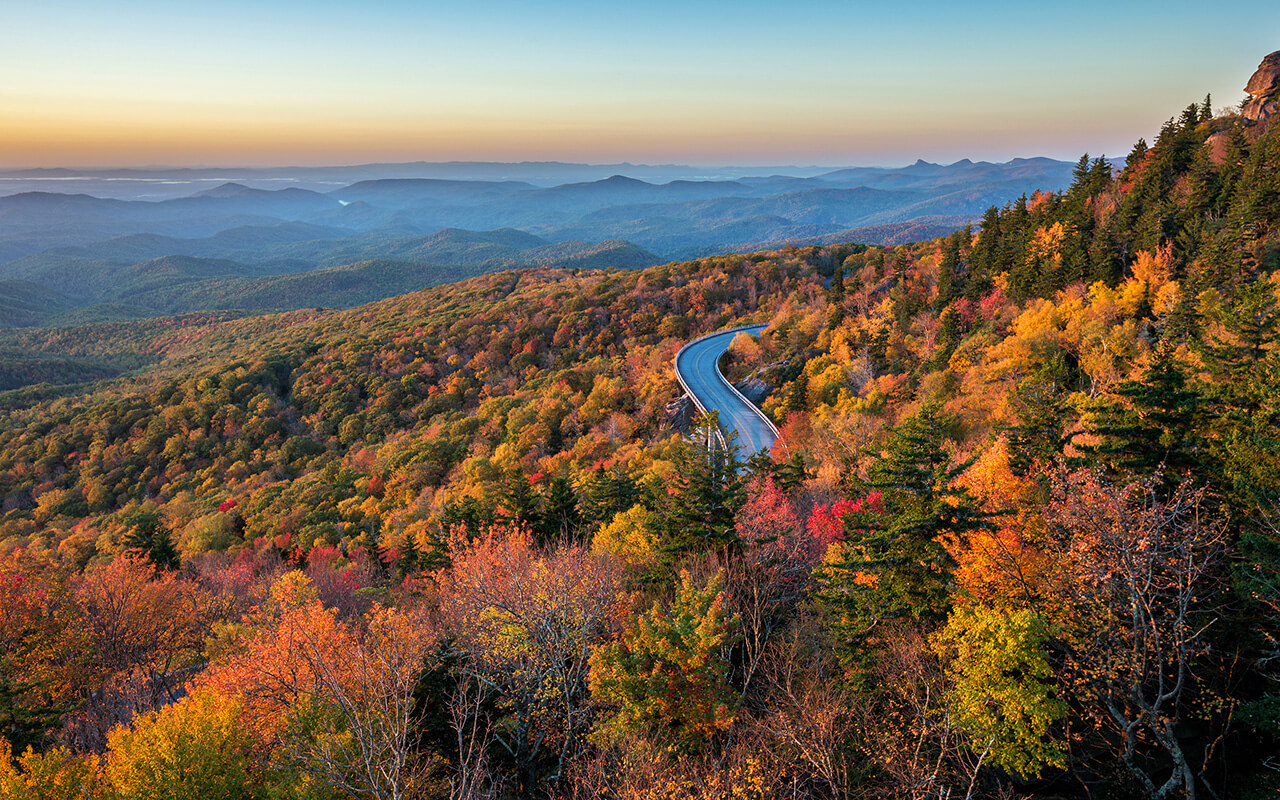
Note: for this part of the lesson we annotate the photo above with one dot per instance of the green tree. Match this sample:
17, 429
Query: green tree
1154, 424
1038, 402
704, 493
895, 564
667, 675
560, 517
605, 494
517, 501
145, 534
1246, 333
410, 558
949, 271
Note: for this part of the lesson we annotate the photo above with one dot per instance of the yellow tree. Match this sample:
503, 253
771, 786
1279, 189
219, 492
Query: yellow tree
54, 775
196, 747
1002, 691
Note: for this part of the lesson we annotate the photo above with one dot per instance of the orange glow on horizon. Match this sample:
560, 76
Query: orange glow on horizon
141, 135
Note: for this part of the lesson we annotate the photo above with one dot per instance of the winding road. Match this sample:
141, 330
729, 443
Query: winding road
697, 368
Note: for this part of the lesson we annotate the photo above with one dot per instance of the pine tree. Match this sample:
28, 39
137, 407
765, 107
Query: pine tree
1243, 394
147, 536
467, 514
836, 294
1249, 326
786, 475
1038, 403
896, 565
24, 724
984, 258
798, 397
560, 517
1135, 158
606, 494
1154, 425
705, 493
1182, 325
1080, 176
518, 502
949, 271
410, 558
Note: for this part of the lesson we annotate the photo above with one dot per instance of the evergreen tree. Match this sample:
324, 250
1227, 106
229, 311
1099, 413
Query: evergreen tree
949, 271
705, 492
798, 396
1182, 325
836, 293
1153, 426
1104, 258
1248, 327
467, 514
145, 535
1038, 403
1015, 230
984, 258
1134, 159
606, 494
23, 724
376, 554
518, 502
410, 558
786, 475
896, 565
1243, 393
560, 517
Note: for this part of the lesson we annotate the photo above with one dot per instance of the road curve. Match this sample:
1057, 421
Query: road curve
698, 370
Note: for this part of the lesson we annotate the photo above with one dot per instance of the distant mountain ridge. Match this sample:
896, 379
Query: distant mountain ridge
156, 254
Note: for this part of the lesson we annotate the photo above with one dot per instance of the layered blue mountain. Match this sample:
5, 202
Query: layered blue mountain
261, 243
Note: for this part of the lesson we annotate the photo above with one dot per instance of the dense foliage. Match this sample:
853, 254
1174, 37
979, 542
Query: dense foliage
1018, 538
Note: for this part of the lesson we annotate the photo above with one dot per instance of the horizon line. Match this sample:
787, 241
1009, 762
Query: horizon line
551, 162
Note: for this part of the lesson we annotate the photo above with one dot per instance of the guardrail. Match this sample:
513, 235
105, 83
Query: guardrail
756, 410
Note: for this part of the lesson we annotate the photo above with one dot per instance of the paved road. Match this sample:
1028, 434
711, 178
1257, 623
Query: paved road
696, 364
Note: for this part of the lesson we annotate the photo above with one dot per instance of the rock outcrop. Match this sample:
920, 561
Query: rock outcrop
680, 413
754, 390
1264, 90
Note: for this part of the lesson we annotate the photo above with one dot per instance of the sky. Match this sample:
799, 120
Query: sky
98, 83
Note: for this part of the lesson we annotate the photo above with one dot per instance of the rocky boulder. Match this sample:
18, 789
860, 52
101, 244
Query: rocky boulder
1264, 90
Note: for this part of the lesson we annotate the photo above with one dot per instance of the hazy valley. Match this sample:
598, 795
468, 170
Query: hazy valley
251, 248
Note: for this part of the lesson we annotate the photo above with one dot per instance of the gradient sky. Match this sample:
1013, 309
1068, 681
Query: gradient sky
285, 82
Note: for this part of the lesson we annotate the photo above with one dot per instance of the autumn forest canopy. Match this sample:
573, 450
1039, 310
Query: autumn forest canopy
1020, 536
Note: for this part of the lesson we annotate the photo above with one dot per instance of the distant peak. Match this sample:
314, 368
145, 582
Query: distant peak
225, 190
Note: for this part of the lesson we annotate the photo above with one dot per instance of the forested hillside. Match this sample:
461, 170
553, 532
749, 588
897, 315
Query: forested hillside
1018, 538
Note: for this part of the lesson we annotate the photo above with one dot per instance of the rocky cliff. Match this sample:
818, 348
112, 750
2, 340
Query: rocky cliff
1264, 90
